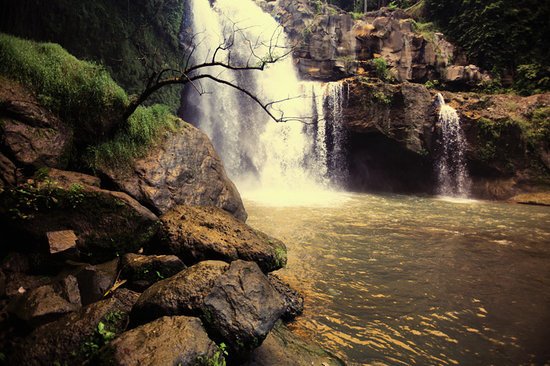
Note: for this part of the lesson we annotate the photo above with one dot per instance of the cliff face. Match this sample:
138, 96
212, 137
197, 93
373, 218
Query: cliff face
394, 137
330, 44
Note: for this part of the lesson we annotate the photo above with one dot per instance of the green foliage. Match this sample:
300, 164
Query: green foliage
81, 93
218, 359
381, 68
356, 15
145, 126
426, 29
432, 84
501, 34
532, 79
129, 38
381, 97
42, 194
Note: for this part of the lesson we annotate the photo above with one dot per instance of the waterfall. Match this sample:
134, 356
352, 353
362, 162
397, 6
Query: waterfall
305, 155
452, 174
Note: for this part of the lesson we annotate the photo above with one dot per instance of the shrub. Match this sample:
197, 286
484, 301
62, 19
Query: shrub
145, 126
381, 68
80, 92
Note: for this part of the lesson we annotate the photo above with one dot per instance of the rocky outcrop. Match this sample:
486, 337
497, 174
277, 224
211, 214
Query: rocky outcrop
182, 294
393, 137
105, 222
282, 347
183, 169
198, 233
177, 340
538, 199
331, 44
29, 134
73, 338
242, 306
141, 271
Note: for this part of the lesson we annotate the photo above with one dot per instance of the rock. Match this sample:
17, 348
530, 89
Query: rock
105, 222
390, 133
294, 301
282, 347
95, 281
9, 174
30, 134
539, 198
182, 294
74, 338
184, 169
68, 288
61, 241
19, 283
15, 262
141, 271
2, 284
242, 306
199, 233
40, 305
176, 340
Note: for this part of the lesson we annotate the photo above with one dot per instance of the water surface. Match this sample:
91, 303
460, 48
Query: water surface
398, 280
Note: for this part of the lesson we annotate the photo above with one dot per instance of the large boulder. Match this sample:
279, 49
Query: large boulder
282, 347
105, 222
182, 294
95, 280
242, 307
183, 169
141, 271
294, 301
74, 338
200, 233
177, 340
30, 134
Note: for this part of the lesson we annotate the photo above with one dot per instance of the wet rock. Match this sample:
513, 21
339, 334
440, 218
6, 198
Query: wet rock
31, 134
141, 271
105, 222
95, 280
282, 347
294, 301
539, 198
181, 294
184, 169
177, 340
61, 241
2, 284
40, 305
74, 338
199, 233
242, 306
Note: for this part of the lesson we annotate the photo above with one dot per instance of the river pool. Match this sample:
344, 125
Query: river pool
402, 280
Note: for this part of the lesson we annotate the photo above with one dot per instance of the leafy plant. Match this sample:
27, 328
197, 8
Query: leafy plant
381, 68
218, 359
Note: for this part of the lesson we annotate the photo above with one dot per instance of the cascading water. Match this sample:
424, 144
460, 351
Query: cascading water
452, 174
280, 159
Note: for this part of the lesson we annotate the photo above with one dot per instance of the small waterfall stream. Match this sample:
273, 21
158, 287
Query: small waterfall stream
297, 157
452, 173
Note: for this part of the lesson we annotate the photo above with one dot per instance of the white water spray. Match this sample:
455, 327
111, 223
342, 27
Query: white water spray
452, 173
289, 161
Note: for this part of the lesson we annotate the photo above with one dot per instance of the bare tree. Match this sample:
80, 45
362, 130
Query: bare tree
261, 54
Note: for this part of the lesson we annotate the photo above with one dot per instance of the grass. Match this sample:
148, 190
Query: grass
81, 93
145, 127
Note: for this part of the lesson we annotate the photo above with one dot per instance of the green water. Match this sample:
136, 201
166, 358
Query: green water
397, 280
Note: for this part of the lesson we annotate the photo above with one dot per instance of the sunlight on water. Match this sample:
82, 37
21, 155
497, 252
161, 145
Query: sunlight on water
399, 280
452, 199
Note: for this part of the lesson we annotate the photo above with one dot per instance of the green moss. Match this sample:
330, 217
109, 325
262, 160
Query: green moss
145, 127
280, 256
129, 38
81, 93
